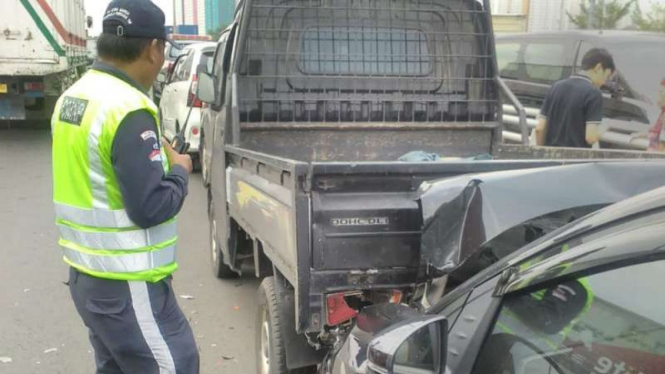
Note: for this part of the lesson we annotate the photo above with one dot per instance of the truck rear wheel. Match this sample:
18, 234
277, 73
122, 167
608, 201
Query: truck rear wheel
270, 349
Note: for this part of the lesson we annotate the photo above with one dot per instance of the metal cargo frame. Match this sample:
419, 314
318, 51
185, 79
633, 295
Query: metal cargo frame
412, 62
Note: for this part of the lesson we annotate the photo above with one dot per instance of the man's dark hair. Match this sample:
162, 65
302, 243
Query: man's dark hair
121, 48
597, 56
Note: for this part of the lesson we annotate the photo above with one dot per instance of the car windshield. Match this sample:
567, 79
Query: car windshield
642, 74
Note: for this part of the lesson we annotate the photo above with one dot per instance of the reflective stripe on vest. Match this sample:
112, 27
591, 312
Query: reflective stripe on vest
96, 233
119, 240
94, 217
125, 263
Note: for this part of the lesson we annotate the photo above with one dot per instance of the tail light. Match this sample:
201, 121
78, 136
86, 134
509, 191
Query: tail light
33, 86
338, 310
192, 100
396, 297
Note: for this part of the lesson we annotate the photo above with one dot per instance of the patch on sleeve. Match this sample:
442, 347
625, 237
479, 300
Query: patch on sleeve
148, 135
155, 156
72, 110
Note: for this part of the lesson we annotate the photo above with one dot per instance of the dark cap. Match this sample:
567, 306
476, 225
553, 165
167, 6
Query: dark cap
134, 19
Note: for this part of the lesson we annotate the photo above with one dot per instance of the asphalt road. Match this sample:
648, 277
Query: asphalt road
36, 312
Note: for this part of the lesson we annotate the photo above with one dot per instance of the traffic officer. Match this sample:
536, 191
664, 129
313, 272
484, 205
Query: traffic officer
117, 190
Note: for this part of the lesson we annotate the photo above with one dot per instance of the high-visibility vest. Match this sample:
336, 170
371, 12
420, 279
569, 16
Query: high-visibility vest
97, 236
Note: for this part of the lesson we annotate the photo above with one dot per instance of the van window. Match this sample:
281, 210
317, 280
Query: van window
584, 48
508, 59
364, 51
545, 62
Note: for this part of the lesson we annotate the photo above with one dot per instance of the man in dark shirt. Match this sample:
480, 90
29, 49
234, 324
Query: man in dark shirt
573, 109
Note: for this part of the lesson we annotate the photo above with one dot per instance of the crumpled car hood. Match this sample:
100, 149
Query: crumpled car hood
462, 213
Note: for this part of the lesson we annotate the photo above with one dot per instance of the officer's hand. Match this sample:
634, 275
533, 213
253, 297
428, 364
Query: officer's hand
176, 158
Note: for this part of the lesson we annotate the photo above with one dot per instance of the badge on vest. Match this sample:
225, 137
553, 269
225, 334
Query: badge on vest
72, 110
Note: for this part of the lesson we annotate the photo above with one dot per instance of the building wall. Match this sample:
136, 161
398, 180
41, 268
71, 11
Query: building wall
507, 23
190, 12
542, 15
504, 7
551, 15
219, 13
201, 9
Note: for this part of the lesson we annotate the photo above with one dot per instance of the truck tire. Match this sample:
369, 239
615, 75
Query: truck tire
219, 268
270, 349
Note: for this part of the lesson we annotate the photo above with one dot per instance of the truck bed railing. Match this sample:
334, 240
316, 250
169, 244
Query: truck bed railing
366, 61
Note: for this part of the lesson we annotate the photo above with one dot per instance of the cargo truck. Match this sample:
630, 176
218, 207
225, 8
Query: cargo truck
42, 52
310, 108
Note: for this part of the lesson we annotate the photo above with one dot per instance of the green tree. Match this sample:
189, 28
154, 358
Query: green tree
606, 17
653, 21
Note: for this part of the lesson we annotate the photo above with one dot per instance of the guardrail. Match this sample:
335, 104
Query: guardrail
624, 138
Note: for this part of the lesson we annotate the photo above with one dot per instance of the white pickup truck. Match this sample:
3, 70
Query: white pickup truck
42, 52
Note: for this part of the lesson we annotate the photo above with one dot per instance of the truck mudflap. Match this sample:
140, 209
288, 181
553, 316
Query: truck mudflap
462, 213
299, 353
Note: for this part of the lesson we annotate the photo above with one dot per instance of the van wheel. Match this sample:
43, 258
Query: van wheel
219, 268
270, 349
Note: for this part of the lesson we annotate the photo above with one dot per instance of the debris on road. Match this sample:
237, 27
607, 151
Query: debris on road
187, 297
228, 357
236, 308
51, 350
213, 345
5, 360
26, 290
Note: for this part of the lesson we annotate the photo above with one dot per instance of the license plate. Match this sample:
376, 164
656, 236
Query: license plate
3, 88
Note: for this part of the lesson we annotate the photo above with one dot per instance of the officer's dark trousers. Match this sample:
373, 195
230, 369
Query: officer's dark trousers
135, 327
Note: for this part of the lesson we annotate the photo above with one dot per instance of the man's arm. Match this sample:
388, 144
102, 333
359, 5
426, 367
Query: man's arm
594, 117
545, 113
150, 196
541, 130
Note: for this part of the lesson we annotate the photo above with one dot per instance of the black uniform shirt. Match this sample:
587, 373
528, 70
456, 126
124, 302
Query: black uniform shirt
569, 106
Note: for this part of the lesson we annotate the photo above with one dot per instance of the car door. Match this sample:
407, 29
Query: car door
182, 89
591, 303
168, 101
618, 327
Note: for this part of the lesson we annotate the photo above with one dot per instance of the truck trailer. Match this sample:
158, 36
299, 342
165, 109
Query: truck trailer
42, 53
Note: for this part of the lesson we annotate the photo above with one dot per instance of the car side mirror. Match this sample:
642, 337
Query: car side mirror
202, 69
417, 345
205, 90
